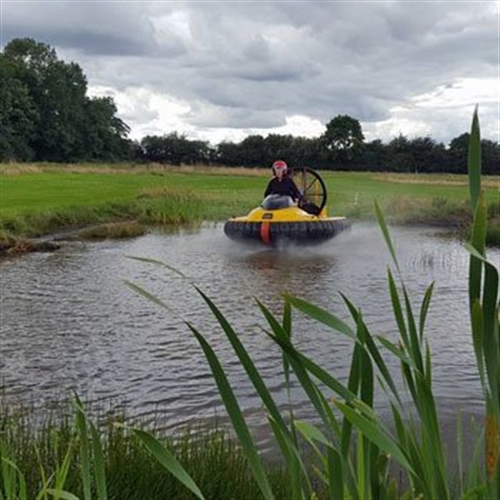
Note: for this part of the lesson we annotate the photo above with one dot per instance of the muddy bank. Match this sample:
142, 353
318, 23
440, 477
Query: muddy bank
52, 242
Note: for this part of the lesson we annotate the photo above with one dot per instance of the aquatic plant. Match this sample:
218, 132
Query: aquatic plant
354, 447
63, 453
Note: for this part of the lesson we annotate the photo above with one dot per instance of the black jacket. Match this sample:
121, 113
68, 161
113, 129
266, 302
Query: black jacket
286, 186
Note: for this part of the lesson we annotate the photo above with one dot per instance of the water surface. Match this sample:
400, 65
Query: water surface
68, 321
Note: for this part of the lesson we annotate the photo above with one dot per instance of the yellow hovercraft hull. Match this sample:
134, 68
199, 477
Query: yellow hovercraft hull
284, 225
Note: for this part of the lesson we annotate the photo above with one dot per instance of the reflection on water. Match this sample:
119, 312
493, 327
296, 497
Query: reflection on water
70, 322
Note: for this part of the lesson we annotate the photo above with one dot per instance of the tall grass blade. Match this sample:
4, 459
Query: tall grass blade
236, 416
321, 315
353, 383
416, 349
387, 236
301, 366
474, 160
167, 460
99, 464
491, 336
374, 431
373, 349
312, 433
283, 437
335, 474
478, 243
293, 461
141, 291
477, 324
398, 352
424, 309
14, 483
62, 472
158, 263
398, 311
484, 310
246, 362
287, 328
81, 424
61, 495
309, 365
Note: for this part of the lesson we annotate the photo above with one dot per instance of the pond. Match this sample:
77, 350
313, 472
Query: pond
69, 321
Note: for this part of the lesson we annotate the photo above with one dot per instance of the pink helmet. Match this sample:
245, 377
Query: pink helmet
280, 165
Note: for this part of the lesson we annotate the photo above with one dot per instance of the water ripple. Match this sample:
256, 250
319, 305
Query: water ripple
69, 321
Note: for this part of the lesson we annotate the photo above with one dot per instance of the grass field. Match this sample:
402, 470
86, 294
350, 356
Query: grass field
39, 198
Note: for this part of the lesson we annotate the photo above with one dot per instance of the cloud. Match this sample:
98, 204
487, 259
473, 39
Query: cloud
226, 69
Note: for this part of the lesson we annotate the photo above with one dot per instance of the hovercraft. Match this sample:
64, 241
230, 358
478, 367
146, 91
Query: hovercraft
278, 220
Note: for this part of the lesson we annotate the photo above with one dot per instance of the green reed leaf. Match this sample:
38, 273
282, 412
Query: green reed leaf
335, 474
246, 362
424, 309
309, 365
398, 352
491, 337
287, 328
372, 348
141, 291
62, 471
99, 464
366, 370
352, 386
293, 461
478, 243
398, 311
311, 433
321, 315
252, 373
14, 483
235, 415
167, 460
158, 263
81, 424
61, 494
474, 159
477, 323
375, 433
287, 318
386, 234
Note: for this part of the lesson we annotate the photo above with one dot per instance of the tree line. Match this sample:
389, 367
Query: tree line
46, 115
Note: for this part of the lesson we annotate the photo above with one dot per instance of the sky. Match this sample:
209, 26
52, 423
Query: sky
223, 70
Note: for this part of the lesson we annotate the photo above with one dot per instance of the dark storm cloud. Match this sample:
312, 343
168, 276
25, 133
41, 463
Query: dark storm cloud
93, 28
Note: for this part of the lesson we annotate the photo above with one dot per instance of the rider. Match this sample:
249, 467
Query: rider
281, 183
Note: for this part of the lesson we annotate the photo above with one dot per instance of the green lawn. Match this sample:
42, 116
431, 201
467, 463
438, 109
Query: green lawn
222, 192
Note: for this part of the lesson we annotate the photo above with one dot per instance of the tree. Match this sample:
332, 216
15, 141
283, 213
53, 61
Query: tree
343, 138
175, 149
457, 154
426, 155
400, 155
104, 133
374, 156
18, 115
44, 104
253, 151
490, 152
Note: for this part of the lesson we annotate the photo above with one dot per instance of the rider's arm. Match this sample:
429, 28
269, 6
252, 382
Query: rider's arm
296, 194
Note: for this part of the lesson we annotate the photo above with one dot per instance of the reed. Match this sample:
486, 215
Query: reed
64, 454
354, 447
